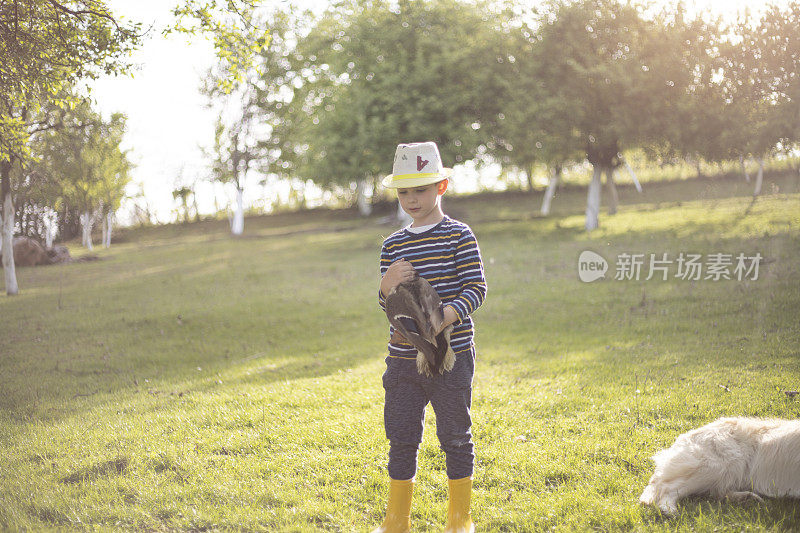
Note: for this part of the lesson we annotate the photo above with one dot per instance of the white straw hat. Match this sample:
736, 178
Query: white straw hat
416, 164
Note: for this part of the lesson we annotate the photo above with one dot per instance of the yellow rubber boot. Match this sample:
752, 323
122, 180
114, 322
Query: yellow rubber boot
398, 508
459, 519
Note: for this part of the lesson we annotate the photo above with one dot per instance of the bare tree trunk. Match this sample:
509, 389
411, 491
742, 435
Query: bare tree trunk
759, 176
48, 230
744, 169
593, 199
529, 174
104, 227
83, 229
107, 221
36, 220
109, 226
237, 225
612, 189
194, 205
694, 160
86, 222
555, 174
216, 205
9, 269
633, 175
364, 207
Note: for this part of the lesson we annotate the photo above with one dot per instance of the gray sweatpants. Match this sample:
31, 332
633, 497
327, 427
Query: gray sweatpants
450, 394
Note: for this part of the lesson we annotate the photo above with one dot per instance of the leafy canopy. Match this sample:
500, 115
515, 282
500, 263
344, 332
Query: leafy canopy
46, 46
380, 73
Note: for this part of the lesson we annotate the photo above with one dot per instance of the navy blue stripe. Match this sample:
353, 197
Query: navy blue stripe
448, 256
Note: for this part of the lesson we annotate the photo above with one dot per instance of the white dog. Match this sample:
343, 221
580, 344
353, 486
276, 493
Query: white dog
736, 458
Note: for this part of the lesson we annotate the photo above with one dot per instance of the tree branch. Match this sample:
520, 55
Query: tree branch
16, 18
79, 12
44, 126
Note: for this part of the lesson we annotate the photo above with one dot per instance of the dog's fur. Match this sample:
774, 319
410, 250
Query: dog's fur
735, 458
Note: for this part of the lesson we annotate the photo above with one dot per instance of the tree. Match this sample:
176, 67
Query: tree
36, 196
185, 193
697, 123
234, 152
761, 89
234, 26
536, 123
113, 171
49, 45
602, 57
142, 215
83, 156
279, 79
234, 86
379, 73
46, 46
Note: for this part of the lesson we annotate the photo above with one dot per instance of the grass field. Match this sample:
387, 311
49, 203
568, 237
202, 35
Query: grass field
191, 381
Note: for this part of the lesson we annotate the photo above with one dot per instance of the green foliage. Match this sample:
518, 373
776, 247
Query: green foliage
601, 58
238, 35
81, 163
188, 381
537, 122
47, 47
252, 101
183, 194
377, 74
760, 83
603, 72
273, 89
335, 94
694, 123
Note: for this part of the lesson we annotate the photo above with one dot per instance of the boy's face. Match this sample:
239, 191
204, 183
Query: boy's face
419, 202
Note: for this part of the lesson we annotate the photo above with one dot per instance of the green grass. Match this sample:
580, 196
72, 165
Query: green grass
191, 381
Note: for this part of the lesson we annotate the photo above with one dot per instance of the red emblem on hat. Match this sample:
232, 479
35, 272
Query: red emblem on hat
421, 163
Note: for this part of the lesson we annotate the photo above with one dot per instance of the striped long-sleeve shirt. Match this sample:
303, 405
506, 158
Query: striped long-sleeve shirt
447, 255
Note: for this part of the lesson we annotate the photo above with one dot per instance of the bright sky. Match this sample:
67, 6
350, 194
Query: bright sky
167, 118
168, 121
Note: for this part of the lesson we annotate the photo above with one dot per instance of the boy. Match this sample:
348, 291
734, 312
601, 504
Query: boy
445, 252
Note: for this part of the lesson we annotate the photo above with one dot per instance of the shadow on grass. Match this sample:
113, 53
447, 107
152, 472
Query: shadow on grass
113, 467
154, 337
99, 386
781, 514
557, 231
168, 356
571, 198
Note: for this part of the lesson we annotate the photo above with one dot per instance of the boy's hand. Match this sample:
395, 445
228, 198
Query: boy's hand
450, 317
397, 337
398, 272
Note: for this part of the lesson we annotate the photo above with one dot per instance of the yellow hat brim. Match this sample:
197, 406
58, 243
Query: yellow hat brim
415, 180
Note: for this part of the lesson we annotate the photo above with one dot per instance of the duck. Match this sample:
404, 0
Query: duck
416, 312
